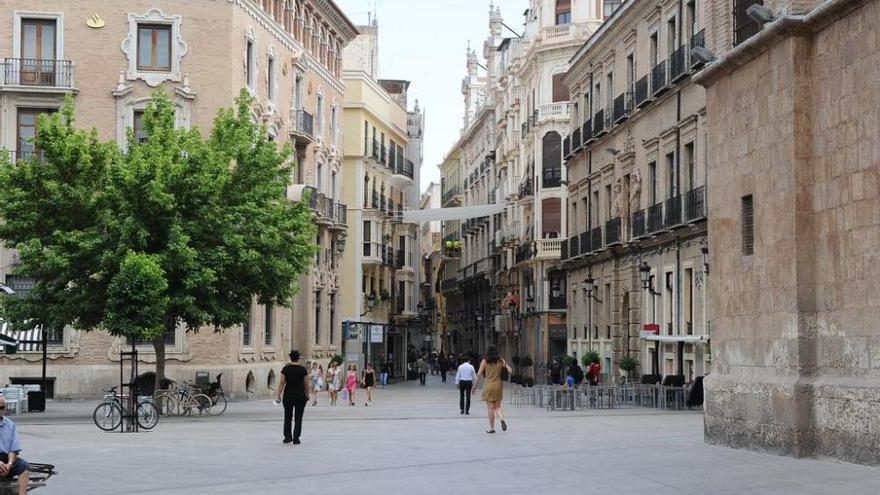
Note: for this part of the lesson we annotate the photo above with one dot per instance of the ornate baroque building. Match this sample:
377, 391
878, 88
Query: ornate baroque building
636, 161
111, 56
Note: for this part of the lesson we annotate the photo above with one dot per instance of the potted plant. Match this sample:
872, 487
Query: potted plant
568, 362
384, 295
589, 358
628, 364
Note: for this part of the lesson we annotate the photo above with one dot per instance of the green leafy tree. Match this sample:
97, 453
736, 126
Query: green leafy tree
179, 228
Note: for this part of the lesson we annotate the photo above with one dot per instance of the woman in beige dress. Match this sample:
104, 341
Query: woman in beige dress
490, 369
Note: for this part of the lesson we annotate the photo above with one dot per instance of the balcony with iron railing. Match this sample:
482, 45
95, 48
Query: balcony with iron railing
526, 188
673, 212
658, 78
28, 155
548, 249
302, 125
557, 301
599, 123
639, 227
612, 232
744, 27
451, 194
45, 74
678, 64
566, 147
596, 239
698, 39
695, 204
587, 131
576, 141
655, 218
622, 107
643, 92
584, 243
551, 177
340, 213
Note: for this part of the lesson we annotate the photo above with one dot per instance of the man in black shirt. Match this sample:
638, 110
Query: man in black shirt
293, 391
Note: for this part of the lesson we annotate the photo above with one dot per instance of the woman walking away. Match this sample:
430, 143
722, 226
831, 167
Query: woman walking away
293, 392
490, 369
332, 382
369, 381
383, 373
351, 383
315, 375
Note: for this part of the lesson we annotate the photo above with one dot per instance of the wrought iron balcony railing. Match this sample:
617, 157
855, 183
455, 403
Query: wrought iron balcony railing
678, 64
612, 232
655, 218
639, 227
587, 131
643, 93
744, 27
673, 212
698, 39
596, 239
658, 78
599, 123
46, 73
303, 122
576, 140
695, 204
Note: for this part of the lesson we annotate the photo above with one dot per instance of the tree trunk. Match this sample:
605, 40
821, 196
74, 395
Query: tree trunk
159, 347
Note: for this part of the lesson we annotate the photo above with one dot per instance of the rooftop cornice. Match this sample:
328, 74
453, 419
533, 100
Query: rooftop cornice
336, 19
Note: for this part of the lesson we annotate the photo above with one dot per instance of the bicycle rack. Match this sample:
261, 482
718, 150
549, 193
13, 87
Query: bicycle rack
129, 413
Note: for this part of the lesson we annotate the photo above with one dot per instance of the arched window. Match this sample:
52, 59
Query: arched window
552, 160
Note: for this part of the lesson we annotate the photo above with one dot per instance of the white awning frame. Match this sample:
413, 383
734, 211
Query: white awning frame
687, 339
457, 213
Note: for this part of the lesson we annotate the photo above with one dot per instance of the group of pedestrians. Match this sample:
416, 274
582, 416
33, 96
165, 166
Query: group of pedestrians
297, 384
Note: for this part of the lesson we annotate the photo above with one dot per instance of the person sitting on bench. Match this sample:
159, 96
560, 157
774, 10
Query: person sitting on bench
11, 465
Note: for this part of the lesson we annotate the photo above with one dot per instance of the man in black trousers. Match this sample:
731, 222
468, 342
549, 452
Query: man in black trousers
464, 378
293, 392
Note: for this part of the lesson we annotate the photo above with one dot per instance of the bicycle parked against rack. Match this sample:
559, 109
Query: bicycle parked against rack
109, 413
217, 396
182, 400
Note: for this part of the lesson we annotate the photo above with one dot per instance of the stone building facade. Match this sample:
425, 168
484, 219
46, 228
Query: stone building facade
794, 165
382, 158
111, 56
636, 163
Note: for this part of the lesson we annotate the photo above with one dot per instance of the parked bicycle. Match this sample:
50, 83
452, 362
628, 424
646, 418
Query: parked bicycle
182, 400
109, 413
217, 396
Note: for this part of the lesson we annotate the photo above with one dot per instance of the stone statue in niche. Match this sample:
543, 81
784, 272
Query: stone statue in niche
618, 198
635, 190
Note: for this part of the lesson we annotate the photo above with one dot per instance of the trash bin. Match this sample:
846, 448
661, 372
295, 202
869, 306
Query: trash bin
202, 379
36, 401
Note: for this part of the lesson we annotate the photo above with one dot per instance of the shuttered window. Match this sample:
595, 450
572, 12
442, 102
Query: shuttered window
560, 91
748, 225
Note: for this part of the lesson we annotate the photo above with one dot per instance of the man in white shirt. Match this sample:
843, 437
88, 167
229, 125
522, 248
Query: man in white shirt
464, 378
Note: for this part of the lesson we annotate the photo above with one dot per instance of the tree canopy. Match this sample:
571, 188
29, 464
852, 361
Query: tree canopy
175, 228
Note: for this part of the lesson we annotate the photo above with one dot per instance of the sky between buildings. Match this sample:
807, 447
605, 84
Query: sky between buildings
425, 41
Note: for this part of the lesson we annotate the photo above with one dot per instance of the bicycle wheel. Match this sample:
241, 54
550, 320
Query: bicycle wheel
107, 416
218, 405
147, 415
201, 404
167, 405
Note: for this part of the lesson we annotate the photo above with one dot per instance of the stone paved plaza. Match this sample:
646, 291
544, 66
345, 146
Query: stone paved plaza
413, 440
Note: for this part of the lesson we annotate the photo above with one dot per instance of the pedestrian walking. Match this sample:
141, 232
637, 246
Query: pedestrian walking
332, 380
315, 376
383, 373
422, 368
293, 392
443, 364
491, 369
594, 370
464, 378
369, 381
351, 382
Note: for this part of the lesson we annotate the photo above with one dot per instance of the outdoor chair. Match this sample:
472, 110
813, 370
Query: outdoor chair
16, 400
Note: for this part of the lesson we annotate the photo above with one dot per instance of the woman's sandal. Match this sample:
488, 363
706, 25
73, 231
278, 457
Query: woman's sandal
490, 431
503, 425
